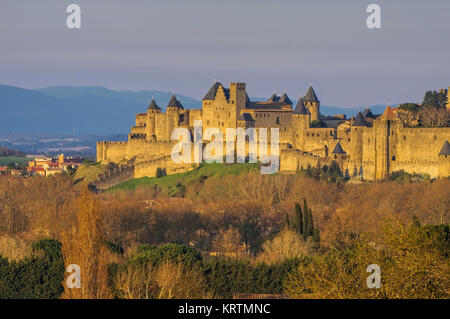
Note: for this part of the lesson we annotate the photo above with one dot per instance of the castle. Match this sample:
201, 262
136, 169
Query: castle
367, 146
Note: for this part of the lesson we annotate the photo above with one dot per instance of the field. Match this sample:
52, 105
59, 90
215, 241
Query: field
5, 160
172, 184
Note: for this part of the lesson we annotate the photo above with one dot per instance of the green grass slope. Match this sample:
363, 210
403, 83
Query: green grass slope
87, 173
172, 184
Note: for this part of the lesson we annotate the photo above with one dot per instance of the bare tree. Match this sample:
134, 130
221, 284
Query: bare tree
136, 282
433, 116
176, 282
287, 244
228, 242
84, 245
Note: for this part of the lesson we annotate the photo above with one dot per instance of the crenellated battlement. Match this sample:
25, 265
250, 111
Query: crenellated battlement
371, 146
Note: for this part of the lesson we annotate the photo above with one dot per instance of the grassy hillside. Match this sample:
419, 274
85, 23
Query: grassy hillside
173, 184
87, 173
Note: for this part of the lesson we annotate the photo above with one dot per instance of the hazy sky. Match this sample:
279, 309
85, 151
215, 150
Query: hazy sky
184, 45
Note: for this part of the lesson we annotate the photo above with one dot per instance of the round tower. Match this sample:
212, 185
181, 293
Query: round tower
312, 103
172, 115
152, 110
356, 142
300, 122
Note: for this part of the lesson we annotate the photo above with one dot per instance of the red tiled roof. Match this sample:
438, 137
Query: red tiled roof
388, 114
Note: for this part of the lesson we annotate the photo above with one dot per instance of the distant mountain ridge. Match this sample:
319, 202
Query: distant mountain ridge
91, 110
77, 110
144, 97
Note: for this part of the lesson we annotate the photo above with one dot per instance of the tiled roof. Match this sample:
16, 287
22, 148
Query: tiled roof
211, 94
388, 114
268, 105
273, 98
368, 113
246, 117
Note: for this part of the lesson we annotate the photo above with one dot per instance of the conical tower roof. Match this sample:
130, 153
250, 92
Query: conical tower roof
359, 120
174, 102
153, 105
285, 99
445, 151
311, 96
300, 108
338, 149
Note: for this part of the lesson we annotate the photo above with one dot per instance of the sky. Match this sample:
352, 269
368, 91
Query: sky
273, 46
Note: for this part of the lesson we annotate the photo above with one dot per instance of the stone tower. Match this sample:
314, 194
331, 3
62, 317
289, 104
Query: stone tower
356, 131
238, 96
301, 119
385, 139
312, 103
173, 111
152, 111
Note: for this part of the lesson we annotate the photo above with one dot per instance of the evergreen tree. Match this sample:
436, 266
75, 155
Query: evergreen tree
310, 225
316, 235
435, 99
305, 220
298, 219
427, 99
287, 222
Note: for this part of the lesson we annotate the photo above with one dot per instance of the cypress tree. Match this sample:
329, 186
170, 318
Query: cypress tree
316, 235
287, 221
298, 223
305, 221
310, 223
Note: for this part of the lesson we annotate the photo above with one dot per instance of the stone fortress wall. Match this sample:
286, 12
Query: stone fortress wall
367, 146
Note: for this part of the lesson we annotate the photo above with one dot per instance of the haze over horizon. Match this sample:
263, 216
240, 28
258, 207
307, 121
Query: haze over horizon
271, 45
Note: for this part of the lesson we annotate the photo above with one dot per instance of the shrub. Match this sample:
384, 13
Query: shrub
37, 277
